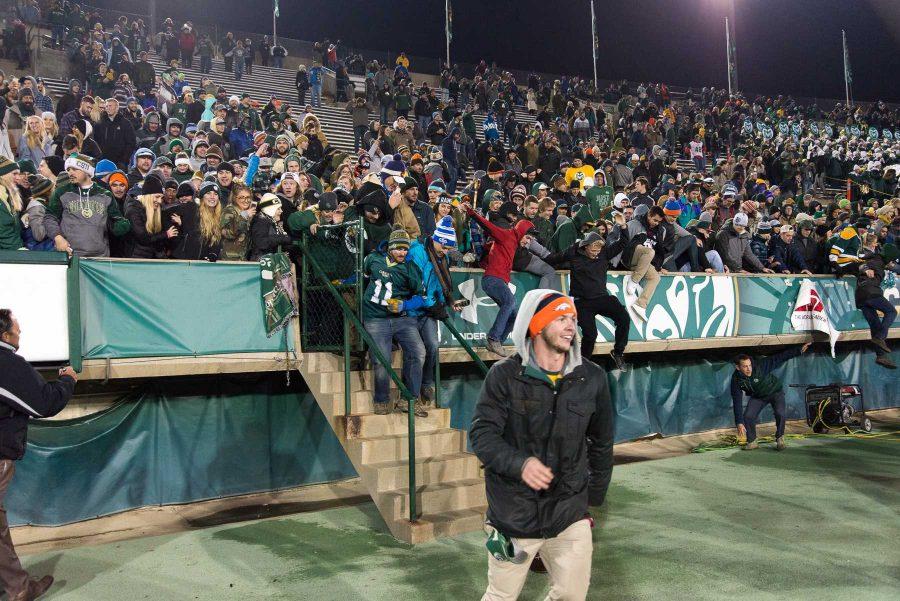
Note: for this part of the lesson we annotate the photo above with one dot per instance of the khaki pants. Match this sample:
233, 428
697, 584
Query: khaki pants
567, 558
12, 576
641, 269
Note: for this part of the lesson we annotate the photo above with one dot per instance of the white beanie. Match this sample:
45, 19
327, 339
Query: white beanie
82, 162
741, 219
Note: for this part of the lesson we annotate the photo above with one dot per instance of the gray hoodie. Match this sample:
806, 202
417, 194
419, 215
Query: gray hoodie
522, 340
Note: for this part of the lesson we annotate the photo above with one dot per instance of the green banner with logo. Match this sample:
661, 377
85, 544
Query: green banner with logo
683, 307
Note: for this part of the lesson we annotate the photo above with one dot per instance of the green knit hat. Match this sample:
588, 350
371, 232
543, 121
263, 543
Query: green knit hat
27, 166
7, 166
398, 238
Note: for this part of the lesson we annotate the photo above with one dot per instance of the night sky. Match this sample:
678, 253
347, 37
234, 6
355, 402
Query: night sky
783, 46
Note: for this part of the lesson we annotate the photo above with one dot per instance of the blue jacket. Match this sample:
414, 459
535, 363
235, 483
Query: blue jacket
433, 291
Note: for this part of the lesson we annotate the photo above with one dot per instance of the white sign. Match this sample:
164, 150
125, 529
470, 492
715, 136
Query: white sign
810, 314
36, 294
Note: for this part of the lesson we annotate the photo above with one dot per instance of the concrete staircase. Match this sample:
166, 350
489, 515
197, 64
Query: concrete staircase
450, 493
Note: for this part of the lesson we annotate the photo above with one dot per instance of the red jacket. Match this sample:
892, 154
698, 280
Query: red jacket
506, 241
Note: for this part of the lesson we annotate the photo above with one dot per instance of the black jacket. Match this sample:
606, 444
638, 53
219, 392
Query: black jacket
189, 243
569, 428
25, 394
116, 139
264, 237
588, 276
144, 244
867, 287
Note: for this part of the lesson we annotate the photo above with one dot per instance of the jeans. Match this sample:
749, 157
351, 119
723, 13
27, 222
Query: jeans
358, 132
423, 124
205, 64
428, 330
278, 61
499, 292
187, 58
879, 327
384, 331
548, 276
607, 306
715, 261
453, 170
316, 96
700, 164
13, 578
685, 249
755, 405
238, 71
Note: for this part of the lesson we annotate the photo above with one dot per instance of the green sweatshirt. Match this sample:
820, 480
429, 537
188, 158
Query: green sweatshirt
388, 280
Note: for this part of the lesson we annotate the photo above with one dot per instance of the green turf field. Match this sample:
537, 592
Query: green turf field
819, 522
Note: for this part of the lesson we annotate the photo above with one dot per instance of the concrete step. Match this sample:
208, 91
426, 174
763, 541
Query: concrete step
369, 425
392, 475
396, 448
434, 498
436, 525
333, 382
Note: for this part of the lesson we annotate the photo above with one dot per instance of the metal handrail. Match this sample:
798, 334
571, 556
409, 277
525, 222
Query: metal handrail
350, 317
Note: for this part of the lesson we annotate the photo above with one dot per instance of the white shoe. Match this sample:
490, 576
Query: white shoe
640, 312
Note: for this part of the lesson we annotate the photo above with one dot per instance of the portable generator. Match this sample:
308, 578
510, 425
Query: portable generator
831, 407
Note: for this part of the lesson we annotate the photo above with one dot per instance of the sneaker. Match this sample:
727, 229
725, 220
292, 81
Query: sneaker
495, 347
632, 288
750, 446
640, 312
885, 361
418, 408
779, 443
619, 360
880, 343
382, 408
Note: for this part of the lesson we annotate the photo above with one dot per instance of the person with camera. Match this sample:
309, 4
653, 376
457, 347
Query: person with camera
430, 256
23, 395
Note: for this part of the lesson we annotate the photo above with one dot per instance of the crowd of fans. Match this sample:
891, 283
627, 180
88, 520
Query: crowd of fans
132, 162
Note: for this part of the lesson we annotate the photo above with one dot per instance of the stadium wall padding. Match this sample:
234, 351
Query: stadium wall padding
183, 440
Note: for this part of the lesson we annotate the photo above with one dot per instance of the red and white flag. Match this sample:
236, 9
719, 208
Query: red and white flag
810, 314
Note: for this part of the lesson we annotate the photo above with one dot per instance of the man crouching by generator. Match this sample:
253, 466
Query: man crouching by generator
543, 428
755, 378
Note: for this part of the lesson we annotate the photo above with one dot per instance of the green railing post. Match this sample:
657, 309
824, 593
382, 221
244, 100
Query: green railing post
347, 393
73, 302
437, 379
468, 347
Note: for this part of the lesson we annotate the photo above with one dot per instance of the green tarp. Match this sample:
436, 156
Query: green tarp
176, 443
692, 395
167, 308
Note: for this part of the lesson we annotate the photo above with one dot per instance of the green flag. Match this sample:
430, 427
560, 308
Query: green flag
279, 297
275, 8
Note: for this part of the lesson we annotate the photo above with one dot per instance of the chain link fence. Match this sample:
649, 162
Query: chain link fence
335, 249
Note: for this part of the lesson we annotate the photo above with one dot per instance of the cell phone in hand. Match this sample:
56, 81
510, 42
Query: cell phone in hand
463, 303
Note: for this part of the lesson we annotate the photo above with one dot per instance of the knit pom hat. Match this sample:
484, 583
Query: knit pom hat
82, 162
41, 187
393, 168
182, 159
444, 233
398, 238
152, 185
518, 192
206, 187
673, 208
